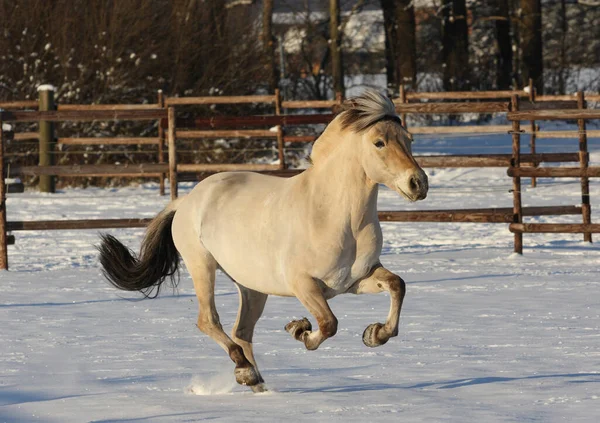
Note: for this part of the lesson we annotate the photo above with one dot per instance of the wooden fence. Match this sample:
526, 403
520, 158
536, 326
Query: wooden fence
171, 128
584, 172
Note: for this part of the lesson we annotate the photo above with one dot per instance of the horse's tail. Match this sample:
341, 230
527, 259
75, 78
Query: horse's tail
157, 261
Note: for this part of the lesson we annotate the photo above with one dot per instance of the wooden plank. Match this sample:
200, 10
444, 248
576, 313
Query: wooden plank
492, 215
25, 104
483, 129
96, 107
3, 229
309, 104
586, 208
47, 140
464, 95
554, 172
225, 167
82, 115
555, 228
234, 133
492, 160
565, 97
516, 181
567, 134
280, 148
490, 107
180, 101
299, 138
161, 144
554, 115
549, 105
219, 122
109, 141
145, 170
48, 225
22, 136
172, 146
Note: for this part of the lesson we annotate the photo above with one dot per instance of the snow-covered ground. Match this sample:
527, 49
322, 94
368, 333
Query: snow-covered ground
485, 335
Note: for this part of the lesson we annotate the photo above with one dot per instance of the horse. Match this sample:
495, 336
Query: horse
312, 236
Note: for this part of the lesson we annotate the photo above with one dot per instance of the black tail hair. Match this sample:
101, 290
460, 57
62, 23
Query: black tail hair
157, 261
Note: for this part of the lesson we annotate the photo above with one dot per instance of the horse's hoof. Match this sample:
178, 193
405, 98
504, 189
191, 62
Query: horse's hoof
297, 327
258, 388
370, 338
247, 376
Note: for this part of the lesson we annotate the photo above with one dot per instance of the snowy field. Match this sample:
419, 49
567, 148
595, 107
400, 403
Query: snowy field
485, 335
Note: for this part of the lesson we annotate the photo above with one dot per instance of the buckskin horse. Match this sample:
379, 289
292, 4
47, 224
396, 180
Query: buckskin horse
313, 236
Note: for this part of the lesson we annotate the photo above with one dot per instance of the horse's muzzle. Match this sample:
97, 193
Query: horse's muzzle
419, 185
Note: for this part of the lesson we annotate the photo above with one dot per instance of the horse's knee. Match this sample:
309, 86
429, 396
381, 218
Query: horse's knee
328, 327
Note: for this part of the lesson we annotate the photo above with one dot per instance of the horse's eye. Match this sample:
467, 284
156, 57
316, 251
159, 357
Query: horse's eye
379, 144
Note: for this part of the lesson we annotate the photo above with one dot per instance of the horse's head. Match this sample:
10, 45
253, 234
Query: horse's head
385, 145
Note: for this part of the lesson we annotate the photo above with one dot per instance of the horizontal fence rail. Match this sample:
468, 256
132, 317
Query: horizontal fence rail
49, 225
81, 115
555, 228
555, 172
493, 215
553, 115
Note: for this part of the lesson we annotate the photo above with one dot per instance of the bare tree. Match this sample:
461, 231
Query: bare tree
504, 69
269, 43
563, 47
531, 43
335, 41
455, 45
400, 42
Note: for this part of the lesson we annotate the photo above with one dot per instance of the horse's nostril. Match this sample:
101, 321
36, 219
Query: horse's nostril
414, 183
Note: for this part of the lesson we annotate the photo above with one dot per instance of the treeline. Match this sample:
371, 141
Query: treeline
124, 51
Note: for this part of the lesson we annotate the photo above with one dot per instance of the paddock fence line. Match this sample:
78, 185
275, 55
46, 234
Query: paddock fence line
164, 113
584, 171
407, 102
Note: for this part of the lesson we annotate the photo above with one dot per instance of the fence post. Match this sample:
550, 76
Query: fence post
403, 100
280, 146
586, 209
516, 186
533, 136
47, 183
3, 235
161, 143
172, 152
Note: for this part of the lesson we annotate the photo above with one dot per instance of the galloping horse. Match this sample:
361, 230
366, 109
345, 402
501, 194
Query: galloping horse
312, 236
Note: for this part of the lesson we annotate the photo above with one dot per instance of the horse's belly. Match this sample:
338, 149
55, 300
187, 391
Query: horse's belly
249, 265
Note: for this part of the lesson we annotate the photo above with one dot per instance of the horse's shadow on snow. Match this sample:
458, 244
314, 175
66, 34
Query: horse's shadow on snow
450, 384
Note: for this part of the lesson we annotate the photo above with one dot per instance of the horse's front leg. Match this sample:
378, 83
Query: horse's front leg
310, 295
380, 279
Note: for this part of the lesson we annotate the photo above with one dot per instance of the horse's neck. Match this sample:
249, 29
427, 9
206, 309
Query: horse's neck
342, 190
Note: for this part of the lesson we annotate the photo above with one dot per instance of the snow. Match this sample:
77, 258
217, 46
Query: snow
46, 87
485, 335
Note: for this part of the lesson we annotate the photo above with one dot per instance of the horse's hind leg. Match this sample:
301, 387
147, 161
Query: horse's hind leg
202, 266
252, 304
